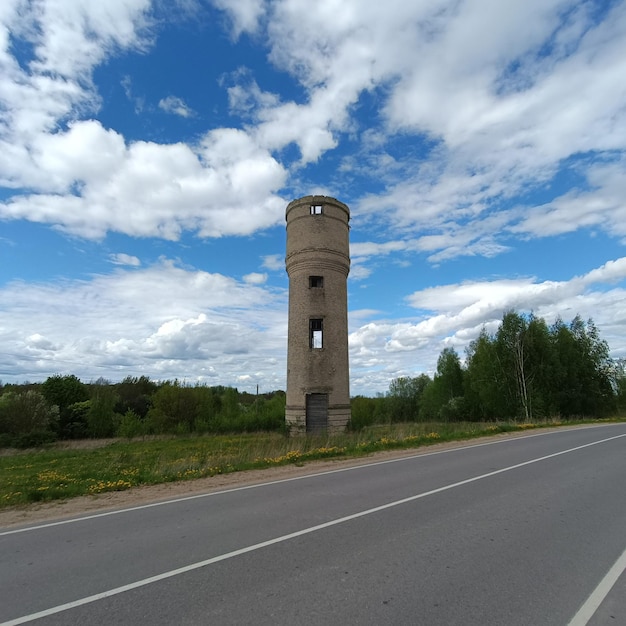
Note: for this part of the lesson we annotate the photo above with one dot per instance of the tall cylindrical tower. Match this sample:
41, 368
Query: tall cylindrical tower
318, 262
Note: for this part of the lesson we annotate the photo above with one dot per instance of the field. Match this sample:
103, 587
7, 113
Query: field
55, 472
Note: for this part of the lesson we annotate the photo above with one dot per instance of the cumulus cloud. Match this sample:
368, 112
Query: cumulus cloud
274, 262
505, 127
169, 322
245, 97
176, 106
472, 304
68, 40
501, 129
255, 278
369, 249
124, 259
491, 103
87, 179
453, 315
601, 207
245, 14
148, 189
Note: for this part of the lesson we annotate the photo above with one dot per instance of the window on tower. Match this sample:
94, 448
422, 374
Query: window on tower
315, 333
316, 209
316, 282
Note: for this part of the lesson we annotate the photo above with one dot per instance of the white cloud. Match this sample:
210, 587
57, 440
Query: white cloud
139, 102
490, 99
501, 128
68, 38
500, 133
38, 343
149, 189
245, 14
124, 259
359, 271
173, 322
176, 106
73, 36
168, 322
454, 314
255, 278
507, 93
88, 180
245, 97
368, 249
602, 207
274, 262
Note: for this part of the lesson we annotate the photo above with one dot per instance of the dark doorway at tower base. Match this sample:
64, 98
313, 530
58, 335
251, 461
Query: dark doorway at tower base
316, 413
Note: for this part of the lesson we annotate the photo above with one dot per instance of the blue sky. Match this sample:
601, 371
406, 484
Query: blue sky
148, 151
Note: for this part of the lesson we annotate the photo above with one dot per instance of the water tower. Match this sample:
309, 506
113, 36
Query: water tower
318, 263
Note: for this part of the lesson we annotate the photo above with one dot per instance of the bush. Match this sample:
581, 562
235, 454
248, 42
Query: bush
363, 412
26, 419
175, 408
135, 394
33, 440
74, 420
101, 416
65, 392
131, 425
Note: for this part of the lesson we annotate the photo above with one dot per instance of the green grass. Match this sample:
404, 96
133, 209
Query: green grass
52, 473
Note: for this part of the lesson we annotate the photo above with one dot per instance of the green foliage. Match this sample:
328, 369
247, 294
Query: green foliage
483, 399
131, 425
101, 417
26, 419
443, 398
180, 409
528, 371
364, 412
619, 384
64, 392
405, 396
524, 371
75, 420
175, 408
263, 414
52, 474
584, 382
135, 394
103, 409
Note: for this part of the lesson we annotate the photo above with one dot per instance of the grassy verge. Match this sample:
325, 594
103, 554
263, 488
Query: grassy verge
51, 473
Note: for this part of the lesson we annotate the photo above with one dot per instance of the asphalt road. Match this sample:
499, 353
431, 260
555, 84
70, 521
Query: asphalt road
525, 531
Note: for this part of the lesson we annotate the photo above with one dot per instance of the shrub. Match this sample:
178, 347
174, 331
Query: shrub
101, 416
34, 439
174, 409
363, 412
26, 417
65, 392
131, 425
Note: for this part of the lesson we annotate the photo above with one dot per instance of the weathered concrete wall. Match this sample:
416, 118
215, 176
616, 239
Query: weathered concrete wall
318, 245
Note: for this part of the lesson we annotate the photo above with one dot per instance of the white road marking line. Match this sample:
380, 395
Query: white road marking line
588, 609
305, 531
84, 518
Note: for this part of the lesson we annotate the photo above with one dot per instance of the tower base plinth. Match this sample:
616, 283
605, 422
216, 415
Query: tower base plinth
337, 419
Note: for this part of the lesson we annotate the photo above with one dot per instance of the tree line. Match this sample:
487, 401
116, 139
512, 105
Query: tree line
525, 371
63, 407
